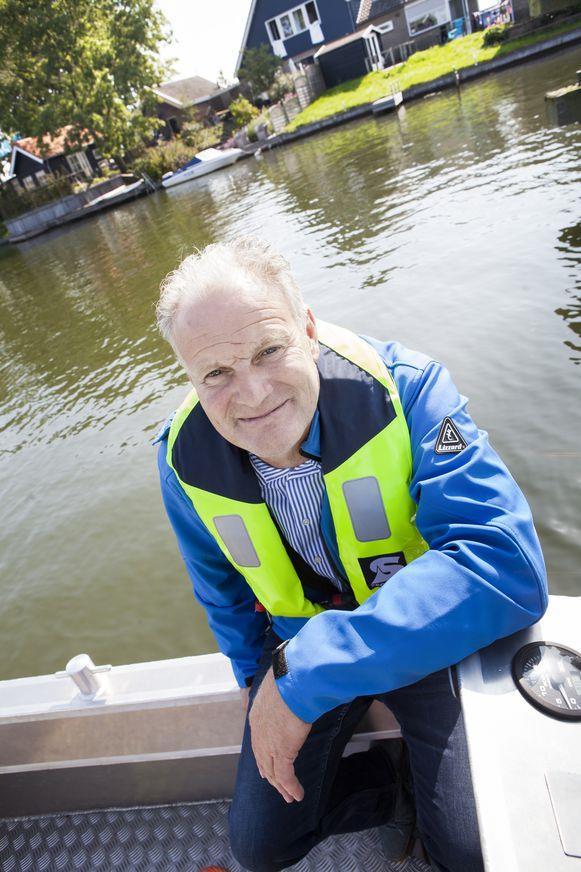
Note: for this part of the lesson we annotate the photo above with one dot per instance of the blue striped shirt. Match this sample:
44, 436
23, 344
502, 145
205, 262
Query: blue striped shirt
294, 497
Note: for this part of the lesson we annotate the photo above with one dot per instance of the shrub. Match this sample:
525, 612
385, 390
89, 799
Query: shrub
195, 135
495, 34
14, 203
263, 118
243, 112
164, 158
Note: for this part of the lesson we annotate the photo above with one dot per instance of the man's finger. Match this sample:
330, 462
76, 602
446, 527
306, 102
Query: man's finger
285, 795
285, 775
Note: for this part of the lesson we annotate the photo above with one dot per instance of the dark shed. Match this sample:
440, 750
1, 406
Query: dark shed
348, 57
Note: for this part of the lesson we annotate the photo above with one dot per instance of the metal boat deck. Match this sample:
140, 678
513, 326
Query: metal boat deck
173, 838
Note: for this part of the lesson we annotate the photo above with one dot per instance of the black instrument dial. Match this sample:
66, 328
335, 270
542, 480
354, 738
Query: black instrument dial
549, 676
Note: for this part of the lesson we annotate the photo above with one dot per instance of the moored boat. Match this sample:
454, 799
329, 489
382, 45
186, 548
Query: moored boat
206, 161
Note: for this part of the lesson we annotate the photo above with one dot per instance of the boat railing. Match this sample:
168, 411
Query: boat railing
100, 736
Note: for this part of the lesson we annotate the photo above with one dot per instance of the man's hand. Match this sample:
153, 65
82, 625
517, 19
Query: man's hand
277, 737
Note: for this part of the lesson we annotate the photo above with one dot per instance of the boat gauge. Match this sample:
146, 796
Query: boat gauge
549, 677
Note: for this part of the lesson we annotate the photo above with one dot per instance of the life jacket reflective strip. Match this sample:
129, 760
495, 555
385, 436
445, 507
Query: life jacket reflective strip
367, 466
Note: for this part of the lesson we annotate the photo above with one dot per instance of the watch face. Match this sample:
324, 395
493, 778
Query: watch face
549, 677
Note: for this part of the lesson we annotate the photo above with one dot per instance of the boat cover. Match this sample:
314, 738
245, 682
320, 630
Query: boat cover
186, 166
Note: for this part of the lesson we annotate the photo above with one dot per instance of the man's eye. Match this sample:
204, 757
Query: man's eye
214, 374
270, 350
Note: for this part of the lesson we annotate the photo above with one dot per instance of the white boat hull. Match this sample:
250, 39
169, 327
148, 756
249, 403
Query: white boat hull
203, 168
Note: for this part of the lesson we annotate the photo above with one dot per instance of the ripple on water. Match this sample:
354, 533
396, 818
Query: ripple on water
452, 227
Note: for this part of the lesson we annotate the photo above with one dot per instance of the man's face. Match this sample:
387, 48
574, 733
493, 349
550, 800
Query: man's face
254, 369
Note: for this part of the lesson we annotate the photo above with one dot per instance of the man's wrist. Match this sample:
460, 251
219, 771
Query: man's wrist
279, 664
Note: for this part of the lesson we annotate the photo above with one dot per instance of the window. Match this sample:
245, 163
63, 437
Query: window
426, 14
274, 31
286, 25
29, 183
299, 19
79, 163
385, 27
292, 21
311, 11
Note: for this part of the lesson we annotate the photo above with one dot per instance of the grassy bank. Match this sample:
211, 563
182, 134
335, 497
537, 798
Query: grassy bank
423, 66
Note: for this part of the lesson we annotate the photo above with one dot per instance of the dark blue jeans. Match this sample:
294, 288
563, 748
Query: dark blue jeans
347, 794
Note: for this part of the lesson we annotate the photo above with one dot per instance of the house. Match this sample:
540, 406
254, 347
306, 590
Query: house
32, 163
294, 31
388, 31
177, 100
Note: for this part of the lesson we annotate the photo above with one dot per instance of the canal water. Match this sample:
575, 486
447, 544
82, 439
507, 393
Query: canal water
454, 228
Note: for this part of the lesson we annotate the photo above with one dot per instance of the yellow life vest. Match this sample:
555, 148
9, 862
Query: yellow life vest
366, 464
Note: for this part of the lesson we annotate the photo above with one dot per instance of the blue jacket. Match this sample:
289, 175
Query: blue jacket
483, 578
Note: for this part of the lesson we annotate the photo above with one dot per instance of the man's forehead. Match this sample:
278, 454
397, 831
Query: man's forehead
230, 322
231, 310
242, 345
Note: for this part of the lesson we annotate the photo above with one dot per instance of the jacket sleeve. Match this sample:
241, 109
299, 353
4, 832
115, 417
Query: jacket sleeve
218, 587
482, 578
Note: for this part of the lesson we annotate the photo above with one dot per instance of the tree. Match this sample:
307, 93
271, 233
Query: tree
258, 69
243, 112
86, 65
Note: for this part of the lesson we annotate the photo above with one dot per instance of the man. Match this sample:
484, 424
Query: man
331, 493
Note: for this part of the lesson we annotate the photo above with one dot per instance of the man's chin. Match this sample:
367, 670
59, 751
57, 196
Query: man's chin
275, 444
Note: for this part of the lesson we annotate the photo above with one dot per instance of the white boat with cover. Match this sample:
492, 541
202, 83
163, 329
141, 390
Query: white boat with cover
133, 766
206, 161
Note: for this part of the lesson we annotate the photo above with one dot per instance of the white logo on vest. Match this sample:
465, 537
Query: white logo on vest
378, 570
449, 439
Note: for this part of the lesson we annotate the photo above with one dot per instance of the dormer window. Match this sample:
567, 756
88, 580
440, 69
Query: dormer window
293, 21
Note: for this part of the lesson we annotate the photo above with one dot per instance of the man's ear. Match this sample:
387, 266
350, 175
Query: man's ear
311, 329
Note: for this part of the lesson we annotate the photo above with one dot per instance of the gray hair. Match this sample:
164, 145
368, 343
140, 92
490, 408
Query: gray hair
236, 264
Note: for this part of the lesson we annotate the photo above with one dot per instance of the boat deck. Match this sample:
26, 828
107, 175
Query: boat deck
185, 837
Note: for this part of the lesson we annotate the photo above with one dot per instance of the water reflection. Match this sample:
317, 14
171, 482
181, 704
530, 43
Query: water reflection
570, 253
436, 227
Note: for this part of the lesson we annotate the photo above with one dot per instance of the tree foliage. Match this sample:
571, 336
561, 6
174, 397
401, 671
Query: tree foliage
283, 84
259, 68
87, 64
242, 111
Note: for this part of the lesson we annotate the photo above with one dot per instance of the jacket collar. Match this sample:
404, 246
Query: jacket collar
311, 447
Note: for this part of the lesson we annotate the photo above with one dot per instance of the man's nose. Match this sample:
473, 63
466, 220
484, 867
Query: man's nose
254, 387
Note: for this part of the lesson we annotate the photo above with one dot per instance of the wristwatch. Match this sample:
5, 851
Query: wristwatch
279, 664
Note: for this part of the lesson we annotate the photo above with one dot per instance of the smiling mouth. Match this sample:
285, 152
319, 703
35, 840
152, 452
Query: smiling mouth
263, 417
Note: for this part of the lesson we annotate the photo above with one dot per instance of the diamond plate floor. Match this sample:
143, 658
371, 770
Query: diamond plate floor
170, 838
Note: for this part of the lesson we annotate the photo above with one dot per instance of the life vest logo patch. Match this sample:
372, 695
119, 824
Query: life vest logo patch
378, 570
449, 439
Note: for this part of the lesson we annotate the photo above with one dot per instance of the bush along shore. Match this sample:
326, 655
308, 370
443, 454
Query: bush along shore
421, 68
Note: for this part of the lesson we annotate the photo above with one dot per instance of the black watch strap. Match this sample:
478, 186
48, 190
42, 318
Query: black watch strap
279, 664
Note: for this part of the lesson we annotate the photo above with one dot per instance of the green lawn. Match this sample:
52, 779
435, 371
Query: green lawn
423, 66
